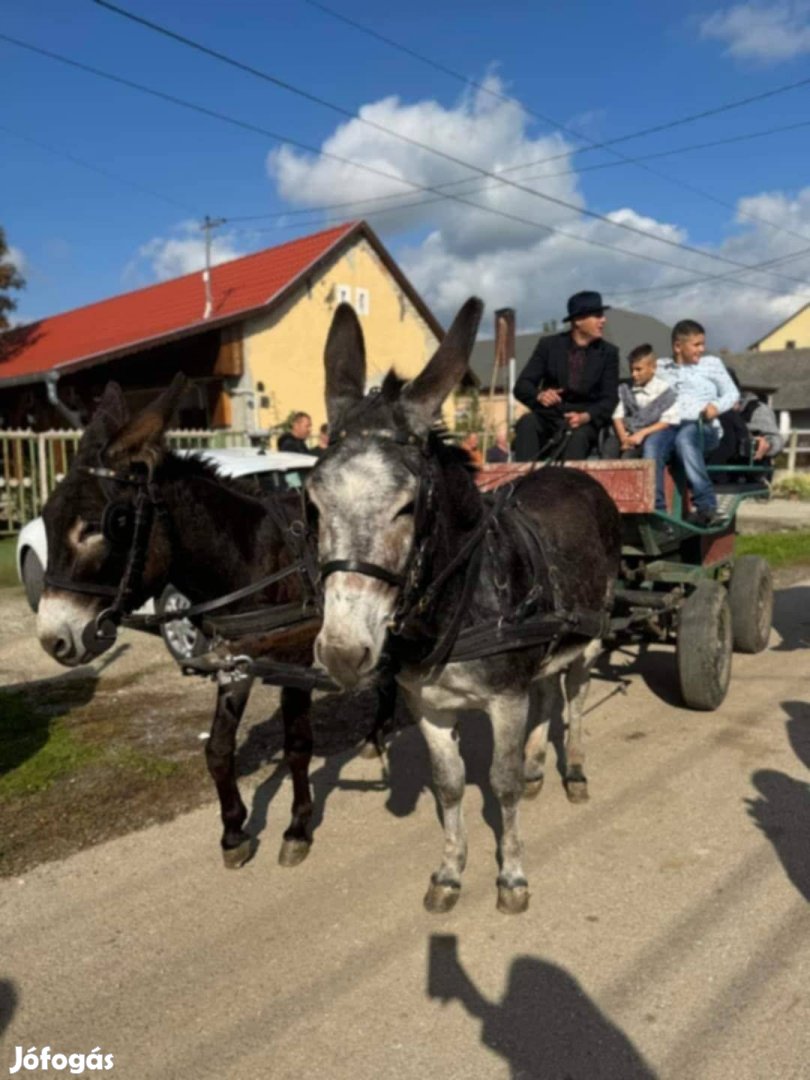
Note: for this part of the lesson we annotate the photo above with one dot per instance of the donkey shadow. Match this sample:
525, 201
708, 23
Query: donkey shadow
545, 1025
782, 808
791, 618
28, 710
340, 724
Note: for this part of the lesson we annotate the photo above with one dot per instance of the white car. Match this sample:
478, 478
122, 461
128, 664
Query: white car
274, 471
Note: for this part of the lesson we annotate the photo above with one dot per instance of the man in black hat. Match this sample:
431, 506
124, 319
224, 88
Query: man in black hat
570, 384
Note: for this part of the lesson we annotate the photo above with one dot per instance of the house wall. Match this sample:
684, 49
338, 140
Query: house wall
284, 349
796, 330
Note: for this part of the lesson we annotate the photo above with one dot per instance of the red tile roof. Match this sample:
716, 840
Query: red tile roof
146, 317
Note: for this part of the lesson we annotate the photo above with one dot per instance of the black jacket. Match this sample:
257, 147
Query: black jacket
288, 442
547, 369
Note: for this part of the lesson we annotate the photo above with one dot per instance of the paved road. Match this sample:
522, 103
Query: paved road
668, 934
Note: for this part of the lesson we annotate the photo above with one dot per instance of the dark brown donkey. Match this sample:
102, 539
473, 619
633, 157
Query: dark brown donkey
125, 491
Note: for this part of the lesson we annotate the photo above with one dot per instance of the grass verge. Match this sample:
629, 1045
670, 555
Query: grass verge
8, 564
781, 549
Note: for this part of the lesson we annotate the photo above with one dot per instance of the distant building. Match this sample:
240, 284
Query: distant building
251, 359
793, 333
780, 377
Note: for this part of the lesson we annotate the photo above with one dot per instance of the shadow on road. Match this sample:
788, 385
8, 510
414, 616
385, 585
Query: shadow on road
28, 710
782, 809
544, 1026
656, 666
9, 1000
791, 618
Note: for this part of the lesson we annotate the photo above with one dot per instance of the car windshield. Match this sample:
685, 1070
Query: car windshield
276, 480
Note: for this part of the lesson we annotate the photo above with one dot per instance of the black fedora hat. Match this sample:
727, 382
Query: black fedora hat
585, 303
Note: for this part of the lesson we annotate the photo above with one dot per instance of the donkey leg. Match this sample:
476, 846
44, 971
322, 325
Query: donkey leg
447, 765
509, 716
295, 705
542, 696
577, 684
232, 695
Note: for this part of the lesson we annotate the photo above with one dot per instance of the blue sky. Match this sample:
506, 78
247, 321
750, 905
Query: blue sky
603, 70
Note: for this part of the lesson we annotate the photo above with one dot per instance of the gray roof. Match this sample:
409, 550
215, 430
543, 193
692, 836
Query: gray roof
624, 329
786, 370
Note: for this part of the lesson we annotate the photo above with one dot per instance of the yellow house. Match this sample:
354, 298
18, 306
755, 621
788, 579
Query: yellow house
283, 345
249, 335
793, 333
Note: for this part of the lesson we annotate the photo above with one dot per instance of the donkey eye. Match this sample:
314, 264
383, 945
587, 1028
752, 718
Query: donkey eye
90, 528
408, 508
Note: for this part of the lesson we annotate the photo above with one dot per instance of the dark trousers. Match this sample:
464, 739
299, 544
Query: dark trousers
534, 431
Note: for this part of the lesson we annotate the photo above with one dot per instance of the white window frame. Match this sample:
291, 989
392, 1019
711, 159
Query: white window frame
344, 294
362, 301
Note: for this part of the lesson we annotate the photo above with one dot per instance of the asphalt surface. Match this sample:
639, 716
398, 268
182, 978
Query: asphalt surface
668, 932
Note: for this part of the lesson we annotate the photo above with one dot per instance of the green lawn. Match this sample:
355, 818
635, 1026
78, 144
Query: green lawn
780, 548
8, 567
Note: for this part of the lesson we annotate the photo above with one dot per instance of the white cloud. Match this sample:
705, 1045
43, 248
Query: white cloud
165, 257
453, 251
15, 256
761, 31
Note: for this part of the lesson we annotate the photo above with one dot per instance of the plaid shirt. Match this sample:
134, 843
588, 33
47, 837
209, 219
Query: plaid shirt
697, 385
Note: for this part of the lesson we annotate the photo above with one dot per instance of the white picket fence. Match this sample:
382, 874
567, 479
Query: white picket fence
798, 450
33, 463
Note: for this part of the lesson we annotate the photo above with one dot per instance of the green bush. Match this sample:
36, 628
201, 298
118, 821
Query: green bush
795, 486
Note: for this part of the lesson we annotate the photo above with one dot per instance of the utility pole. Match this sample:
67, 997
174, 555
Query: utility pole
208, 226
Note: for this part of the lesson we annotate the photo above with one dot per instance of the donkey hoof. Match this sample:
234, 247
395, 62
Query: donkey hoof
237, 856
370, 750
441, 897
532, 788
577, 790
293, 852
513, 899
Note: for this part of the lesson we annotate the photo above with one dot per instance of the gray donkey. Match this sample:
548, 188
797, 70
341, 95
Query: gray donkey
473, 601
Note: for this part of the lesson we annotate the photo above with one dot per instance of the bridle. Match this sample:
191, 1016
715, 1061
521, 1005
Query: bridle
124, 525
129, 524
418, 596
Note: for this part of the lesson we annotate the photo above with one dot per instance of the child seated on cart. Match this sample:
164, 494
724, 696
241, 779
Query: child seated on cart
647, 407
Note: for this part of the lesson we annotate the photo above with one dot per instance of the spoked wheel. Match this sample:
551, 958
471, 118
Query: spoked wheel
181, 636
704, 646
750, 597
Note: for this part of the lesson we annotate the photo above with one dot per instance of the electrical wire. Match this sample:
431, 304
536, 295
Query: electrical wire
342, 111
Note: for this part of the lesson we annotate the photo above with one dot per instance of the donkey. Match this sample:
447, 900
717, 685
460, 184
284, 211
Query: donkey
207, 536
414, 559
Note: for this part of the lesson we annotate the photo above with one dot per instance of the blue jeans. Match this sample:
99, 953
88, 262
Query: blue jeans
691, 444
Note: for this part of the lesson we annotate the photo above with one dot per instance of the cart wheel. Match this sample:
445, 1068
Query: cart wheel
704, 646
750, 597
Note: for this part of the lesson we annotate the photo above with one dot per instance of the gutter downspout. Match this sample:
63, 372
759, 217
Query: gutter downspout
51, 379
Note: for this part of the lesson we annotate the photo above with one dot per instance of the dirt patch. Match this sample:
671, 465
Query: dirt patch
102, 750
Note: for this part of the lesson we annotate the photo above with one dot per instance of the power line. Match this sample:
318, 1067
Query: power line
98, 169
339, 109
608, 144
256, 129
375, 199
655, 129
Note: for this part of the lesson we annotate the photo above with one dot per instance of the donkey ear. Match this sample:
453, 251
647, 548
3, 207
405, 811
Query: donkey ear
110, 416
345, 362
423, 396
141, 438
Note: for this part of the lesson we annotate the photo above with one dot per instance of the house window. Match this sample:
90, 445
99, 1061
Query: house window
344, 294
361, 301
790, 344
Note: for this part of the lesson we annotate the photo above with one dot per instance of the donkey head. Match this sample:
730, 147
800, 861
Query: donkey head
89, 543
366, 487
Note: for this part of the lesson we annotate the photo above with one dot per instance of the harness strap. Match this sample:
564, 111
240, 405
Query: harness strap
357, 566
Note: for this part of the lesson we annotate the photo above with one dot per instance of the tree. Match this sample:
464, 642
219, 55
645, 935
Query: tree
10, 278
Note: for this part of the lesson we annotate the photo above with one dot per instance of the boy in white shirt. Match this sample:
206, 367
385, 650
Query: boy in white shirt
647, 409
